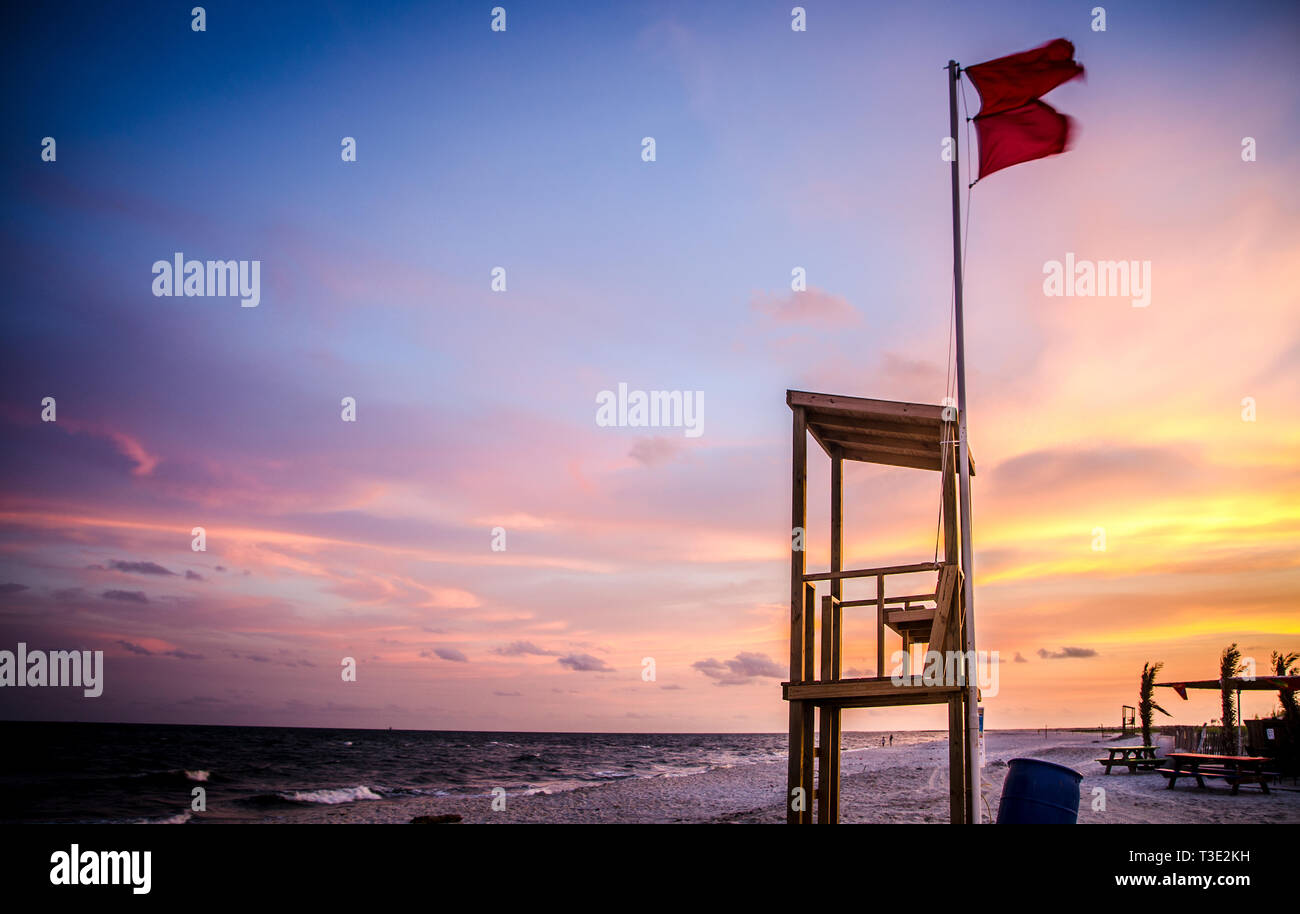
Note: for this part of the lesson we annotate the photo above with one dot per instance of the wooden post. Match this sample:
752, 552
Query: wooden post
809, 716
837, 534
795, 779
957, 729
810, 632
828, 799
951, 543
956, 761
880, 625
837, 620
798, 565
1239, 718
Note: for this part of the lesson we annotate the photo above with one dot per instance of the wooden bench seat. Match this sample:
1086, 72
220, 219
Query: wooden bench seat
1232, 776
1133, 764
1134, 757
1186, 773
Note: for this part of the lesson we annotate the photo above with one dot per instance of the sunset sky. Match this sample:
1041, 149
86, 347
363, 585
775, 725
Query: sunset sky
476, 409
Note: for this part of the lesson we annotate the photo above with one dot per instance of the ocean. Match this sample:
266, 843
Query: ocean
146, 773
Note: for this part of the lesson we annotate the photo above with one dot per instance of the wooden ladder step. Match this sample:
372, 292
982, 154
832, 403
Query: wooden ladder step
943, 629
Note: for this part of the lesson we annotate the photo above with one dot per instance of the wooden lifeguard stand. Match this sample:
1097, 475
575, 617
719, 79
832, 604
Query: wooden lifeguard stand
1127, 719
894, 434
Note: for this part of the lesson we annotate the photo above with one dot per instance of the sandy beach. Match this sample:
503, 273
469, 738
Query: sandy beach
905, 784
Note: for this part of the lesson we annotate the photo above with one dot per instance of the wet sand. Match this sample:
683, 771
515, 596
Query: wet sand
878, 785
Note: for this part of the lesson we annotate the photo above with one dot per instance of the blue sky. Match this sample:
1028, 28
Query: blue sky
521, 149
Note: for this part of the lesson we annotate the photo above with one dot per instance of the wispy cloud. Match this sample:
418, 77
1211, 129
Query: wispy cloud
139, 567
446, 653
743, 669
1066, 653
126, 596
585, 663
522, 648
813, 306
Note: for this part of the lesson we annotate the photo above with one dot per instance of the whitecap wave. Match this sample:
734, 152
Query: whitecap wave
332, 796
179, 819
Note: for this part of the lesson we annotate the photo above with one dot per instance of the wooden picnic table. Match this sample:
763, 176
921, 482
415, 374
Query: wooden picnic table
1134, 757
1235, 769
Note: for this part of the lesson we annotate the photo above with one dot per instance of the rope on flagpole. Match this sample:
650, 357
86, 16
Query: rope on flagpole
965, 241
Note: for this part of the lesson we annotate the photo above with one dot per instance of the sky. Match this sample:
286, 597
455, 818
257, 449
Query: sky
476, 409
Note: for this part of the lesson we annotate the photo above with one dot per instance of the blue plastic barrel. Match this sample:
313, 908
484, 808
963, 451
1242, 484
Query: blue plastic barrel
1039, 793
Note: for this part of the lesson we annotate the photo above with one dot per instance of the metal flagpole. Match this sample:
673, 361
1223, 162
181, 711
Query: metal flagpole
973, 811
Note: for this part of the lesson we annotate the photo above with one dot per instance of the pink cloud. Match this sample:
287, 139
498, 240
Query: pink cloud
814, 306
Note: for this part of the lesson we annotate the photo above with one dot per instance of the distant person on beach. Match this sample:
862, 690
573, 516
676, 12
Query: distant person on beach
891, 739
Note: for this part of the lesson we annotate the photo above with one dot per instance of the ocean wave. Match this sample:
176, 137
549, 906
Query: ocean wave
159, 777
553, 788
179, 818
661, 772
331, 796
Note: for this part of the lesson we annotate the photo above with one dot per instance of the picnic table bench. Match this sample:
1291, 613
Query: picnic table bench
1134, 757
1235, 769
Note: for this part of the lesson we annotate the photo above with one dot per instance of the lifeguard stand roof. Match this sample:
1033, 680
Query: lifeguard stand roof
888, 432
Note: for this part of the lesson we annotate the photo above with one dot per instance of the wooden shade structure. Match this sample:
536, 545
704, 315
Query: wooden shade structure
1237, 684
911, 435
878, 431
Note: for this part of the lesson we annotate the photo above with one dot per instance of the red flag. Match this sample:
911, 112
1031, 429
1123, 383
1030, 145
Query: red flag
1013, 125
1017, 79
1022, 134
